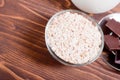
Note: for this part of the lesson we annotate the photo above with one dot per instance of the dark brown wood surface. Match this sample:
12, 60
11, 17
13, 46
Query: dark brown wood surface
23, 53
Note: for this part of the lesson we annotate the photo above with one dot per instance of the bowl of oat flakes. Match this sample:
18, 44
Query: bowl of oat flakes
73, 38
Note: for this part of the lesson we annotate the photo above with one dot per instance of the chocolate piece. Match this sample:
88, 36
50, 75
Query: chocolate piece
117, 57
114, 26
105, 29
111, 60
112, 42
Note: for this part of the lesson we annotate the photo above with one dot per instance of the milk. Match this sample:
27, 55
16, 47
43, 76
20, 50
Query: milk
95, 6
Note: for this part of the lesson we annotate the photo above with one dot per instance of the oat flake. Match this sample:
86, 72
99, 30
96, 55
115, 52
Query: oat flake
73, 38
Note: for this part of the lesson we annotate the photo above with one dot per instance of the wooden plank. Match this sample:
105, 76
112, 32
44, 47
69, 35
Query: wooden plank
22, 44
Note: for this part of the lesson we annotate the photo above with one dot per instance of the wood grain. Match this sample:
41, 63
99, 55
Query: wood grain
23, 53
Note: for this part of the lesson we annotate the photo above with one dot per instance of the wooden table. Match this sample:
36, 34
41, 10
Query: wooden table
23, 53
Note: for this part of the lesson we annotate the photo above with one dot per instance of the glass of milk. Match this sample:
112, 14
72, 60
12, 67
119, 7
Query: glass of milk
95, 6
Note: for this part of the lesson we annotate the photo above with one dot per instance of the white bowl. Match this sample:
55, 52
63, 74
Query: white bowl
95, 6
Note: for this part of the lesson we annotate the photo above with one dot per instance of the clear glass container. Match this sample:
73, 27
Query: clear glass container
107, 56
57, 57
